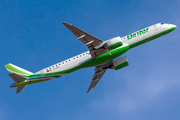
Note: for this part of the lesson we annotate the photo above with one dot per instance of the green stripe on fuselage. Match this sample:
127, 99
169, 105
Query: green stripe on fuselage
93, 62
151, 38
31, 82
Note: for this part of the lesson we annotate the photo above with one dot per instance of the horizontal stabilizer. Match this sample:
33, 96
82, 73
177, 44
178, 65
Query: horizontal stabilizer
20, 88
17, 78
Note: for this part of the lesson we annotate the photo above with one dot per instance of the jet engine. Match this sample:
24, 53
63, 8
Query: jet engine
113, 43
119, 63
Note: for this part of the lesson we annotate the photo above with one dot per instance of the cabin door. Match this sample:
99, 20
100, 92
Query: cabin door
156, 27
42, 72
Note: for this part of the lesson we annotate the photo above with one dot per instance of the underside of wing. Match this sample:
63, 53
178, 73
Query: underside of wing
87, 39
99, 72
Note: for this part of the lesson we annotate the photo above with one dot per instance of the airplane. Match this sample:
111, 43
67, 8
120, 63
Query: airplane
102, 55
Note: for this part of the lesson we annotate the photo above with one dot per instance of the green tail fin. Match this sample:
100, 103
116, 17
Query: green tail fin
15, 69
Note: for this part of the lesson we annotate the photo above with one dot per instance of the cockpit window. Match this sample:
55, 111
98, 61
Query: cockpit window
162, 23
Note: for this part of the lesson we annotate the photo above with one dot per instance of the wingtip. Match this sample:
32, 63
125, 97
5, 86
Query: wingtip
65, 23
88, 90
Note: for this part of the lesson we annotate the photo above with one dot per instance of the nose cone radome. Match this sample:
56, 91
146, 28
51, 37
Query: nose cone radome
173, 27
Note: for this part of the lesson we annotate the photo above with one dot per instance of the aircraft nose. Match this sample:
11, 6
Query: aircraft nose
173, 26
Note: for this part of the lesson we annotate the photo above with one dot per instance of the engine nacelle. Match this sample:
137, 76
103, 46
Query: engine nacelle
113, 43
119, 63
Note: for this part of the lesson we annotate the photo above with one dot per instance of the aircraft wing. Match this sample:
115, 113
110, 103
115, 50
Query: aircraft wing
99, 72
88, 40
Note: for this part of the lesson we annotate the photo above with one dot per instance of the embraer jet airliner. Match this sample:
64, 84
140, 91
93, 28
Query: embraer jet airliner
102, 55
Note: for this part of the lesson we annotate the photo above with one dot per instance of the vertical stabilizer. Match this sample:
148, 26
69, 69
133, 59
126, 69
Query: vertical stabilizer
15, 69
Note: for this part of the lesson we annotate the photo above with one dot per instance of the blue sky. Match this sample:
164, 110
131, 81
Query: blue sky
32, 37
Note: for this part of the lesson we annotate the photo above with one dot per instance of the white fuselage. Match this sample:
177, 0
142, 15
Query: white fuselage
152, 30
129, 39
